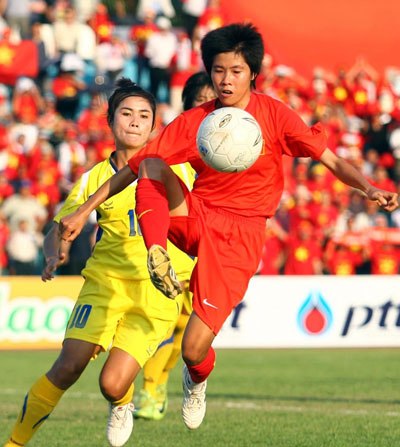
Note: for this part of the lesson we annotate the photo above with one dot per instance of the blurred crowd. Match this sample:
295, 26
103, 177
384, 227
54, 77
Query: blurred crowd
53, 128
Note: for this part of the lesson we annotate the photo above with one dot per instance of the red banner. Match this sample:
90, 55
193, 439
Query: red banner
17, 60
304, 34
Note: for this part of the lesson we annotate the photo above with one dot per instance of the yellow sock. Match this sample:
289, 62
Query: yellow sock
11, 444
127, 398
155, 365
177, 344
38, 404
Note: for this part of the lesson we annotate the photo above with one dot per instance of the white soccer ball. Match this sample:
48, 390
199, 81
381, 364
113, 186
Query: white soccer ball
229, 139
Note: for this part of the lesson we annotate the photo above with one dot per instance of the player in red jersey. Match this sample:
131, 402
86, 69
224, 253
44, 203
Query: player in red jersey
222, 220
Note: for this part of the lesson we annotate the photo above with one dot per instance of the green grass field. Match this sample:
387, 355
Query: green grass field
272, 398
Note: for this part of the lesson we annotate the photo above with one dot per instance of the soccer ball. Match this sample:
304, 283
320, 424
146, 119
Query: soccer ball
229, 139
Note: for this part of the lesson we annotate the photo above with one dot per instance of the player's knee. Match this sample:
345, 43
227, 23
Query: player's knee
65, 373
152, 168
111, 389
193, 354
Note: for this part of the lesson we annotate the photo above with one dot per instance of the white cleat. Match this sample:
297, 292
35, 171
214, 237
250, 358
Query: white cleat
161, 273
194, 401
120, 424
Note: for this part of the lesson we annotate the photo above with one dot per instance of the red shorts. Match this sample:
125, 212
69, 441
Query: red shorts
228, 248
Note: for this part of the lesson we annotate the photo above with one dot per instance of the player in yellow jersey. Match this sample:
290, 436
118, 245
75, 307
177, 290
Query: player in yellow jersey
152, 400
118, 308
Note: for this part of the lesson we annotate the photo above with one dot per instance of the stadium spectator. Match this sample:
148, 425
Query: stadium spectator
71, 155
66, 31
18, 16
161, 8
160, 49
192, 10
139, 35
68, 86
383, 249
6, 188
27, 101
24, 205
185, 62
303, 254
92, 120
111, 55
343, 256
23, 249
212, 18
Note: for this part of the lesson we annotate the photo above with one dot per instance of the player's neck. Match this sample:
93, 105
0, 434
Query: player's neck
121, 156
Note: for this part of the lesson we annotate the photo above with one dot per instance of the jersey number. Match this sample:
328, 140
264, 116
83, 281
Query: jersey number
132, 224
80, 316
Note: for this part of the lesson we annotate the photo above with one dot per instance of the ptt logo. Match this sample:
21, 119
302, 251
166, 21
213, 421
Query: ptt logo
314, 316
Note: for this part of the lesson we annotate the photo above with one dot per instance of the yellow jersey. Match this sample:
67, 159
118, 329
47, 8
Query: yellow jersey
120, 251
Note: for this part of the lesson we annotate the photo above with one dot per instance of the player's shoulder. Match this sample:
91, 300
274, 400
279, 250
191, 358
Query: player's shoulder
265, 99
199, 112
101, 167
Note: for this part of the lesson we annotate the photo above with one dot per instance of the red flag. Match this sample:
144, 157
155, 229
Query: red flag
18, 60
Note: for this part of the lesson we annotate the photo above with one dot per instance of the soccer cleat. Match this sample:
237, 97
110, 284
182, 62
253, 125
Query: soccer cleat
120, 424
145, 406
162, 274
150, 408
162, 399
194, 400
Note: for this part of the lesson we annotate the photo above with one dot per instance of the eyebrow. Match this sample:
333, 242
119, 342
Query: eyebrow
231, 67
131, 110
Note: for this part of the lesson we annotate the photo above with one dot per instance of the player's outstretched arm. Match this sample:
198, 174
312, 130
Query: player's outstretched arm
55, 253
71, 225
348, 174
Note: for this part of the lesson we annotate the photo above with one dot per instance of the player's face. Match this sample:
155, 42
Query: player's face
232, 78
205, 94
133, 121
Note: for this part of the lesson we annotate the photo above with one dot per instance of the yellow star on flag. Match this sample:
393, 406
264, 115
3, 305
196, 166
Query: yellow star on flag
6, 55
301, 253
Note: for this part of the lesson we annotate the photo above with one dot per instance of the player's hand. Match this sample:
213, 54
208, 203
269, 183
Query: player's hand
52, 264
387, 200
70, 226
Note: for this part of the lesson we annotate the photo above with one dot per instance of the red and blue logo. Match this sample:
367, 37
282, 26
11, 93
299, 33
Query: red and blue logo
314, 316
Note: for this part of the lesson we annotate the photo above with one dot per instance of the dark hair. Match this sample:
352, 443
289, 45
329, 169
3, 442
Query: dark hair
240, 38
193, 86
124, 88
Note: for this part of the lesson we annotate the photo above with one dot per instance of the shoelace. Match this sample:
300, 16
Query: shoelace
119, 417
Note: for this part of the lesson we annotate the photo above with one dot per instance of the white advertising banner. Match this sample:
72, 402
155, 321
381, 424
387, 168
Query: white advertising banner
315, 312
277, 312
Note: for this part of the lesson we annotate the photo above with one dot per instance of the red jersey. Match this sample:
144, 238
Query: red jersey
255, 192
301, 256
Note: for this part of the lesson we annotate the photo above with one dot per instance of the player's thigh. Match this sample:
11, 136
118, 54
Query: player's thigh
177, 191
147, 323
101, 304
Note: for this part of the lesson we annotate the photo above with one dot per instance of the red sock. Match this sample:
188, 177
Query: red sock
152, 211
200, 372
